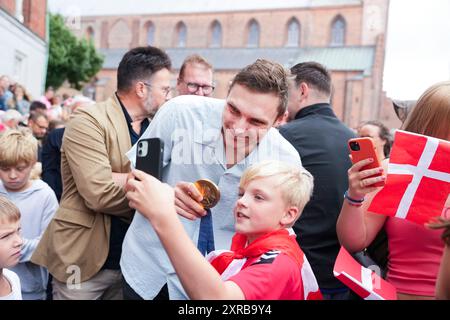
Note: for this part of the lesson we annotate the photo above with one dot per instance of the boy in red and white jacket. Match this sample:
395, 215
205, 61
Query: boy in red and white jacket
265, 261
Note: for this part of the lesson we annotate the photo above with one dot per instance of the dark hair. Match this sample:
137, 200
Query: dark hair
264, 76
37, 106
314, 75
384, 134
140, 64
35, 115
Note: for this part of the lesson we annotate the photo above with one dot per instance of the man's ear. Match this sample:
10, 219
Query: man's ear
281, 119
139, 89
289, 216
304, 90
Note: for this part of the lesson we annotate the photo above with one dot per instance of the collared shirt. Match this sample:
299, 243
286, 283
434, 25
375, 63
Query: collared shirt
118, 226
191, 129
133, 134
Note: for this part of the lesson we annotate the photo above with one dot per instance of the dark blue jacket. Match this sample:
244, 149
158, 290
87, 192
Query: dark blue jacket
321, 140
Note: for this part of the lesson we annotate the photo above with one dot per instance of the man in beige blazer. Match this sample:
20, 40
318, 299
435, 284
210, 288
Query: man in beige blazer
82, 245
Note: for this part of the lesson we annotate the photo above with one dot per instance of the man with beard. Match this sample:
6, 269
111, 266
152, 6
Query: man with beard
82, 246
214, 139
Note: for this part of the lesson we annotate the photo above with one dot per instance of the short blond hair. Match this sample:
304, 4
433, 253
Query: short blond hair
8, 211
296, 183
17, 146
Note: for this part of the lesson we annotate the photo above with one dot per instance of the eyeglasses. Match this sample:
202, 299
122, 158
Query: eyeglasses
166, 90
193, 87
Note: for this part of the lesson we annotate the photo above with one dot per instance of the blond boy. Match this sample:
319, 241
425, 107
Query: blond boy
37, 204
10, 244
265, 262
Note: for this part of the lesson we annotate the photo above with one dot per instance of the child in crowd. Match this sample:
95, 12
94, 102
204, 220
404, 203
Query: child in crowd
10, 245
265, 261
34, 198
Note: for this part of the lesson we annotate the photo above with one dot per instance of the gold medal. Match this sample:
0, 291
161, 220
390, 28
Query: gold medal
209, 191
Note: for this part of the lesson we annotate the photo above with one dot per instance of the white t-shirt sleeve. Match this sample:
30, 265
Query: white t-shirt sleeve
14, 280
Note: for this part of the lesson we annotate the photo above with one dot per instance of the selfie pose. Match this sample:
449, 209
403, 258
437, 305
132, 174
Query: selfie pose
265, 261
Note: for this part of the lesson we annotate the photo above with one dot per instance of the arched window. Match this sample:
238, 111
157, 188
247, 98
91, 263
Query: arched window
120, 35
216, 35
338, 27
293, 33
150, 34
181, 35
253, 34
90, 34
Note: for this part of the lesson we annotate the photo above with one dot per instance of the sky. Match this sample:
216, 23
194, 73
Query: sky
418, 38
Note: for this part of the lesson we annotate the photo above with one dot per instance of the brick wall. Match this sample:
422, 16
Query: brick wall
9, 6
34, 14
315, 27
356, 97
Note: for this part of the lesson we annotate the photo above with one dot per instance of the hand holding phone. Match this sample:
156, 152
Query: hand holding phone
149, 156
364, 148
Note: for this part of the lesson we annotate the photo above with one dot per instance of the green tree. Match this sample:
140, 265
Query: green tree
69, 58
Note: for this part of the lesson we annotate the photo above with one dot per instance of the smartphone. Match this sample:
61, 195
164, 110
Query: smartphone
149, 156
364, 148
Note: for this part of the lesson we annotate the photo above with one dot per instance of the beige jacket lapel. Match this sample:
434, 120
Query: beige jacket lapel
119, 123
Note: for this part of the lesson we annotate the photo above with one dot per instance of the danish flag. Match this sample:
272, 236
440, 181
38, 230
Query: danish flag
363, 281
418, 179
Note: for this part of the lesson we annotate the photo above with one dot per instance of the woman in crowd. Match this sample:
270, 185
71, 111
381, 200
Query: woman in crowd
414, 251
380, 134
20, 101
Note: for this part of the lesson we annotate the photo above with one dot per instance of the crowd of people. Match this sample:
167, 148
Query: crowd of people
78, 222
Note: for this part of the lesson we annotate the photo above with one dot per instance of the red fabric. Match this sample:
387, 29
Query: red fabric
287, 276
365, 283
415, 254
429, 194
278, 280
277, 240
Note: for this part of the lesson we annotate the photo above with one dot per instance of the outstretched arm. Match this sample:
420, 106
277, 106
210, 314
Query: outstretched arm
155, 201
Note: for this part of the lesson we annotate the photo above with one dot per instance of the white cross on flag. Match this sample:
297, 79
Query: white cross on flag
363, 281
418, 179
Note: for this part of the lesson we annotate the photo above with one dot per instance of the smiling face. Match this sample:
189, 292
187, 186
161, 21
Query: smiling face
10, 243
196, 79
247, 117
261, 208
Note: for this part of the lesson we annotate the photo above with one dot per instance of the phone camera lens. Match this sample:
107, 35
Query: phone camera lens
354, 146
